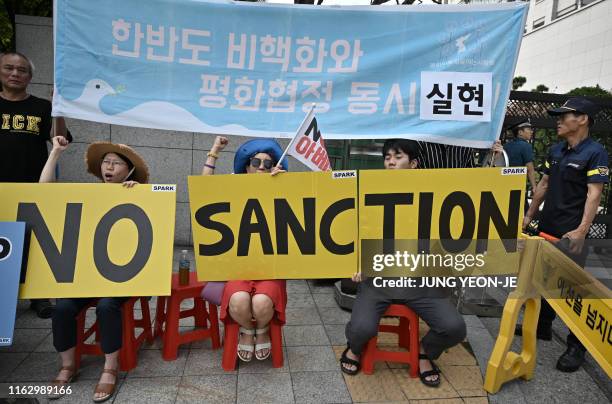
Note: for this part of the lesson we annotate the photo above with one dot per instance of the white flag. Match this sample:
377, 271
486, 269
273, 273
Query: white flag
308, 145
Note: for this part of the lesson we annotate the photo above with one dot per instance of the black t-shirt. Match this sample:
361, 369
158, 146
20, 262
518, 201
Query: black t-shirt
24, 131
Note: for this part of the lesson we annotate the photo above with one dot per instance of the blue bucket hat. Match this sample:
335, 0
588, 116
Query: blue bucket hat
251, 148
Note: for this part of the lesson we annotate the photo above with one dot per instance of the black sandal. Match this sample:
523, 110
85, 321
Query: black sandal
345, 360
434, 372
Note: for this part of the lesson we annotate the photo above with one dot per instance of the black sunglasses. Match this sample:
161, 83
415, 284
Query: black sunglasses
256, 163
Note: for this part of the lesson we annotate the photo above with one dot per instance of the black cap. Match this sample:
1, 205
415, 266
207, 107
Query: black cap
577, 104
525, 123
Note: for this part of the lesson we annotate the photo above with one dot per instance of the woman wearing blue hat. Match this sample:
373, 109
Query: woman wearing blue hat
247, 300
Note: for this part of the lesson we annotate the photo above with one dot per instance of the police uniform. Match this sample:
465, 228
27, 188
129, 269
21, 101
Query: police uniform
519, 151
570, 170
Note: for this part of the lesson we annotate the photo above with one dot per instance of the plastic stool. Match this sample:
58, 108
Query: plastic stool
169, 312
408, 332
230, 344
128, 354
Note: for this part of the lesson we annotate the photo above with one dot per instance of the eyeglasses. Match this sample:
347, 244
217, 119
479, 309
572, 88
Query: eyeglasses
256, 163
113, 163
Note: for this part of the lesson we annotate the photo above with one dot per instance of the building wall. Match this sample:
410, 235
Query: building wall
568, 51
171, 155
570, 47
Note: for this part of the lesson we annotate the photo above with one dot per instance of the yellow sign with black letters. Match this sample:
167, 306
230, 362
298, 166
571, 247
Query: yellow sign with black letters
93, 240
291, 226
309, 225
442, 222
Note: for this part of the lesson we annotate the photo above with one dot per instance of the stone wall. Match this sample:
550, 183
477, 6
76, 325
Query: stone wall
171, 155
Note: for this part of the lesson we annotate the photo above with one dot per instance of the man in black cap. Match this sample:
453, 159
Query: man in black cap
520, 152
575, 172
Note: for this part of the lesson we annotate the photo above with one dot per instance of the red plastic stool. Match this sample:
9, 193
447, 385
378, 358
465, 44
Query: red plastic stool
408, 332
169, 312
128, 354
230, 344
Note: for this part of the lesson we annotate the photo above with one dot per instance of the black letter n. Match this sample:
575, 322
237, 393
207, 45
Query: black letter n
62, 263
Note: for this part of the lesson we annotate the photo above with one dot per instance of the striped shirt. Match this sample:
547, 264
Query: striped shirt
435, 155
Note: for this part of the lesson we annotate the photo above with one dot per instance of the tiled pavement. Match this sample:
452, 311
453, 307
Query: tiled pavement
313, 339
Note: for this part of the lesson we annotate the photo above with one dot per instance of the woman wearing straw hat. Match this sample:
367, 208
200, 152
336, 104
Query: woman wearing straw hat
113, 164
248, 300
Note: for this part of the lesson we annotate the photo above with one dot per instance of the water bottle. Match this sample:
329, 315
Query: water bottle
184, 268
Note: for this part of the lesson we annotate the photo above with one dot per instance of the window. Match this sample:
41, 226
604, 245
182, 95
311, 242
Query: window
565, 7
538, 23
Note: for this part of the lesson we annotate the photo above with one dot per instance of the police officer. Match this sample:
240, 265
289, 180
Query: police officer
519, 150
575, 172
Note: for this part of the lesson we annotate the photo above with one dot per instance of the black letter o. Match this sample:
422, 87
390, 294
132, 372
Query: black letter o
108, 269
5, 248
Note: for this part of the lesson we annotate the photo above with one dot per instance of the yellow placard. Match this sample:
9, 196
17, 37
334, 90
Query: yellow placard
94, 240
437, 216
291, 226
304, 225
583, 303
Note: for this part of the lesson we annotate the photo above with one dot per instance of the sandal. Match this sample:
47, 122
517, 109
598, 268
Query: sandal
263, 345
345, 360
248, 348
106, 388
434, 372
59, 392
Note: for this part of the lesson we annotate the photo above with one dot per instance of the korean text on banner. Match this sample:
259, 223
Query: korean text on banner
436, 73
93, 240
583, 303
291, 226
11, 254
